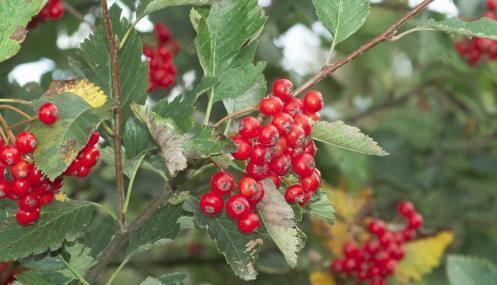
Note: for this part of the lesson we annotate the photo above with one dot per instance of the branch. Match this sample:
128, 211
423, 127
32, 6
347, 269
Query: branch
116, 91
385, 36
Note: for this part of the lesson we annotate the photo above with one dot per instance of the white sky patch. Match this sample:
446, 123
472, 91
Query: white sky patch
265, 3
302, 50
31, 71
145, 25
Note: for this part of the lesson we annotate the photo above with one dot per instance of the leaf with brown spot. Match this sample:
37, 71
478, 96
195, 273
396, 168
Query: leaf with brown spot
14, 17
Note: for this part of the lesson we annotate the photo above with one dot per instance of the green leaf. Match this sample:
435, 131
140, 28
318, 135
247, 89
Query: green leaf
58, 222
180, 110
321, 207
146, 7
59, 143
77, 260
342, 17
279, 219
42, 278
133, 73
136, 138
176, 278
483, 28
204, 143
160, 228
240, 250
98, 234
463, 270
14, 17
339, 134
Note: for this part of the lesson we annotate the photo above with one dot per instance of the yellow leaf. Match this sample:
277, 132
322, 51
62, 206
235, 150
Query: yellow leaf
348, 209
322, 278
422, 256
61, 197
88, 91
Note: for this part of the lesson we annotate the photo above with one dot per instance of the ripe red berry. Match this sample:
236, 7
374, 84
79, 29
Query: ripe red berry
83, 172
313, 101
492, 5
29, 203
90, 156
282, 88
311, 183
271, 106
48, 113
296, 137
237, 206
46, 198
310, 148
25, 218
21, 169
257, 171
260, 154
94, 138
386, 239
350, 250
283, 122
243, 148
222, 182
276, 180
249, 187
372, 246
376, 227
336, 266
249, 223
19, 187
268, 135
10, 155
408, 234
406, 209
313, 116
249, 127
280, 148
26, 142
295, 194
415, 221
304, 165
304, 122
4, 189
280, 165
56, 11
211, 204
257, 197
293, 107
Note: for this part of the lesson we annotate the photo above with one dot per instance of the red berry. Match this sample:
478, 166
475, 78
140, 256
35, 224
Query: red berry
311, 183
296, 137
304, 165
260, 154
25, 218
249, 127
295, 194
56, 11
41, 189
237, 206
26, 142
304, 122
350, 250
307, 198
243, 148
386, 239
293, 107
349, 265
211, 204
271, 106
94, 138
90, 156
492, 5
29, 203
282, 88
294, 152
19, 187
83, 172
249, 223
280, 165
257, 197
276, 180
56, 184
21, 169
268, 135
280, 148
336, 266
408, 234
396, 252
48, 113
406, 209
222, 182
415, 221
47, 198
249, 187
257, 171
283, 122
4, 189
372, 246
10, 155
376, 227
36, 177
313, 101
313, 116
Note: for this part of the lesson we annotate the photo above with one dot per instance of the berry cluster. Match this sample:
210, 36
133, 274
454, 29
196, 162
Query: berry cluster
271, 149
162, 70
53, 10
21, 181
477, 49
377, 259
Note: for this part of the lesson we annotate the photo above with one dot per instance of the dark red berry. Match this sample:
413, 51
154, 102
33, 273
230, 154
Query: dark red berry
406, 209
268, 135
25, 218
311, 183
36, 177
249, 127
237, 206
47, 198
280, 148
304, 165
29, 202
249, 187
19, 187
415, 221
260, 154
243, 148
271, 106
90, 156
282, 88
26, 142
376, 227
222, 182
21, 169
276, 180
4, 189
257, 171
94, 138
10, 155
295, 194
83, 172
211, 204
280, 165
313, 101
293, 106
283, 122
48, 113
296, 137
249, 223
304, 122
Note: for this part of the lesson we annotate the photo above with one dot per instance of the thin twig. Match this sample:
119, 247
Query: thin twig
23, 122
10, 135
234, 115
3, 135
385, 36
18, 101
116, 91
18, 111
